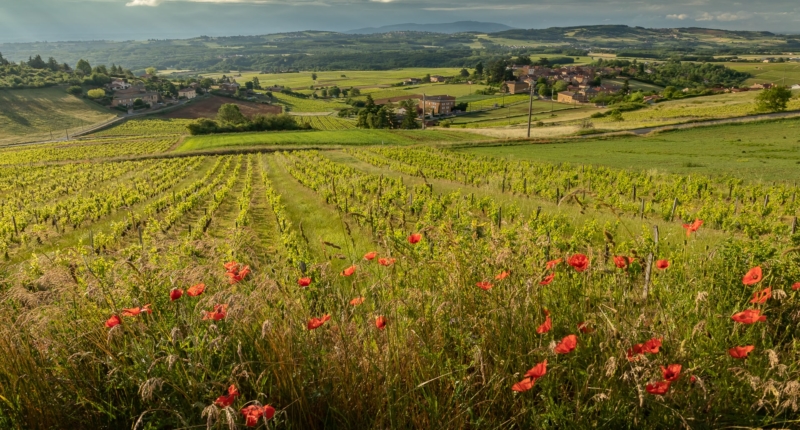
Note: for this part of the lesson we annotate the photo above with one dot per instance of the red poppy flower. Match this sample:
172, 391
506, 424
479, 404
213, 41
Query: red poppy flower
219, 313
659, 388
113, 321
740, 351
634, 353
175, 294
370, 256
349, 271
380, 322
304, 282
228, 399
762, 296
579, 261
749, 316
237, 276
693, 227
196, 290
232, 266
548, 279
537, 371
567, 345
796, 286
672, 372
753, 276
253, 413
662, 264
585, 328
524, 385
652, 346
132, 312
693, 379
315, 323
414, 238
386, 261
546, 325
357, 301
484, 285
623, 262
501, 276
554, 263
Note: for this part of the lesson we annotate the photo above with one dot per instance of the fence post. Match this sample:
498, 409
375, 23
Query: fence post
649, 269
674, 207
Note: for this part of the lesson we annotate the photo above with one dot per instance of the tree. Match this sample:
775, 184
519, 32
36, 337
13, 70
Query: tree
256, 83
334, 92
75, 90
479, 69
355, 92
324, 93
83, 67
97, 93
100, 70
464, 73
249, 85
206, 83
314, 77
559, 86
151, 71
626, 87
670, 92
37, 62
3, 61
138, 103
773, 99
230, 113
410, 117
543, 90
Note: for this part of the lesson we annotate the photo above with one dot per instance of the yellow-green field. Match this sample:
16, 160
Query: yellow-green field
30, 115
346, 79
770, 72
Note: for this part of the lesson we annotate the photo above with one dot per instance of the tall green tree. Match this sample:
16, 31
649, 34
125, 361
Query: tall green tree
230, 113
774, 99
410, 117
83, 67
151, 71
3, 61
314, 77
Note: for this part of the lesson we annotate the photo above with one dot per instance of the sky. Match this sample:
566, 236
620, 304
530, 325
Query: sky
63, 20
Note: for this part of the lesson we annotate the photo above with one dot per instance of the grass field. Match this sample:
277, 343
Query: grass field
634, 84
297, 104
770, 72
30, 115
342, 137
768, 151
351, 78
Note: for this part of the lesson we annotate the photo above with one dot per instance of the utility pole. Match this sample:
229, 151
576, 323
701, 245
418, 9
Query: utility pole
530, 112
423, 111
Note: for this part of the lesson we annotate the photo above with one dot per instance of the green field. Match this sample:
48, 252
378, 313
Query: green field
30, 115
342, 137
351, 78
770, 72
768, 151
634, 84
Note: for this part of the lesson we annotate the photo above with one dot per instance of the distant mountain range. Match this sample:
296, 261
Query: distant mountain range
446, 28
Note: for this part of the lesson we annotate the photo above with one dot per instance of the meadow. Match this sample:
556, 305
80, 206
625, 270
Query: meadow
770, 72
32, 115
401, 279
344, 79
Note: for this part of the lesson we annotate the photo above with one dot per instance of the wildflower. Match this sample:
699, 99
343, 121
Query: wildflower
659, 388
196, 290
546, 325
567, 345
237, 275
132, 312
749, 316
315, 323
370, 256
548, 279
501, 276
693, 227
386, 261
228, 399
796, 286
753, 276
672, 372
554, 263
634, 353
357, 301
253, 413
304, 282
740, 351
579, 261
530, 377
652, 346
693, 379
175, 294
414, 238
380, 322
219, 313
762, 296
349, 271
662, 264
232, 266
623, 262
585, 328
486, 286
113, 321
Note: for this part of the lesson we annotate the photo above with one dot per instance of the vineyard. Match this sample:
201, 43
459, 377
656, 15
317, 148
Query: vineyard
147, 127
326, 123
388, 286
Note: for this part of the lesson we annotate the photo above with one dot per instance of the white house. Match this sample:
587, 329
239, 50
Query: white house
189, 93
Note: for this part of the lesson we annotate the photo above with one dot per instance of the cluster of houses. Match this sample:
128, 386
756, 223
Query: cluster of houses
434, 79
577, 78
126, 93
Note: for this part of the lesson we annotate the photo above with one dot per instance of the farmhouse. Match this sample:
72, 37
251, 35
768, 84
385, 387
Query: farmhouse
516, 87
411, 81
437, 78
189, 93
119, 84
572, 97
127, 97
230, 87
439, 105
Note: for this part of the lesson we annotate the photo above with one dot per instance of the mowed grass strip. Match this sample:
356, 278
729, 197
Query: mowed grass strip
768, 151
340, 137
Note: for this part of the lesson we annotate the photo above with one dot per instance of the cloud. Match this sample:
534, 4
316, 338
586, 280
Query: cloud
151, 3
724, 16
680, 17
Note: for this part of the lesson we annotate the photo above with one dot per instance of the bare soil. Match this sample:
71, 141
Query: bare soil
208, 108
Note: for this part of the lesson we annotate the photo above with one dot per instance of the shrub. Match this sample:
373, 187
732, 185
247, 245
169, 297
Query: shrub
97, 93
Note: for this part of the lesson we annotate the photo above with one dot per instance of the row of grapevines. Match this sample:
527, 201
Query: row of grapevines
217, 199
296, 249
